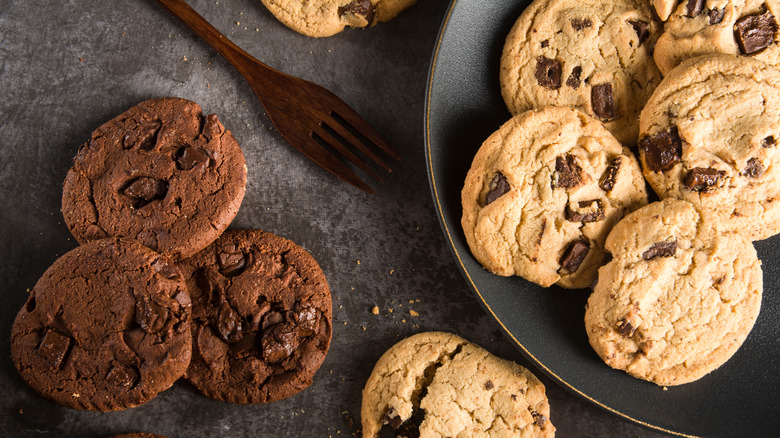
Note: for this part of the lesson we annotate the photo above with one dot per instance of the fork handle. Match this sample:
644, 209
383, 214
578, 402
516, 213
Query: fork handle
236, 56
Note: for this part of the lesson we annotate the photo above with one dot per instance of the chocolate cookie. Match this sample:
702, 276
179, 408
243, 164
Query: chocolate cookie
261, 317
138, 435
161, 173
106, 328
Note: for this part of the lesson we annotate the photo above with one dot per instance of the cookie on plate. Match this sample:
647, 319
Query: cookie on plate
106, 327
322, 18
592, 55
261, 317
542, 194
161, 173
438, 384
709, 135
679, 296
736, 27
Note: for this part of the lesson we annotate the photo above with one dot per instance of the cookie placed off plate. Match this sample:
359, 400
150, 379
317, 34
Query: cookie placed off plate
543, 192
679, 297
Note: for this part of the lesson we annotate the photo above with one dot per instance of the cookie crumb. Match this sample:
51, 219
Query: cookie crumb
413, 313
375, 310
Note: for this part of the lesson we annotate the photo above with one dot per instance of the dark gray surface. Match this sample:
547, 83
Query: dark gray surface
68, 66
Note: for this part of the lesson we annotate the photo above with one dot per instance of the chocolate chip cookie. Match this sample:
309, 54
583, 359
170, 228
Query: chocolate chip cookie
543, 192
679, 296
592, 55
161, 173
138, 435
322, 18
106, 327
439, 384
261, 317
709, 136
737, 27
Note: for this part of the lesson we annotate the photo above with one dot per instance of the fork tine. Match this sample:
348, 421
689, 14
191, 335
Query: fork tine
341, 130
308, 146
338, 146
346, 113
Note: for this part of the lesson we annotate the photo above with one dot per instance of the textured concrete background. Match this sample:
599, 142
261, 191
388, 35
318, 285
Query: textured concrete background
68, 66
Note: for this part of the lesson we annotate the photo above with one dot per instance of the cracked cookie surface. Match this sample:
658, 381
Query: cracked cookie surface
322, 18
736, 27
591, 55
161, 173
106, 327
437, 384
543, 192
261, 317
710, 134
678, 298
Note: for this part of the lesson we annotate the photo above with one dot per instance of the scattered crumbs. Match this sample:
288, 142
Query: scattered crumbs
81, 59
341, 306
392, 271
184, 58
357, 261
257, 29
390, 310
76, 395
413, 313
666, 389
331, 371
238, 23
364, 327
403, 320
352, 288
411, 301
345, 322
374, 310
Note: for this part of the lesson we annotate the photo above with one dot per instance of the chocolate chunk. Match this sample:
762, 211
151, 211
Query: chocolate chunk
54, 347
279, 342
641, 28
545, 43
392, 418
586, 212
165, 269
189, 157
607, 181
625, 328
489, 385
358, 7
661, 249
539, 419
716, 15
568, 173
695, 7
272, 318
574, 255
308, 321
662, 150
580, 23
143, 136
702, 179
574, 78
755, 32
602, 102
122, 375
498, 187
232, 261
768, 142
229, 324
150, 315
548, 72
753, 168
144, 190
212, 128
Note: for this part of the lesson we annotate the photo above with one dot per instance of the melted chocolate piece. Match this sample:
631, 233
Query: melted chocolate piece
279, 342
229, 324
308, 321
569, 173
755, 32
641, 28
695, 7
122, 375
548, 72
165, 269
358, 7
702, 179
607, 181
574, 255
753, 168
150, 315
189, 157
660, 249
231, 260
716, 15
574, 78
590, 214
662, 150
768, 142
625, 328
392, 418
580, 23
144, 190
498, 187
602, 101
54, 347
143, 136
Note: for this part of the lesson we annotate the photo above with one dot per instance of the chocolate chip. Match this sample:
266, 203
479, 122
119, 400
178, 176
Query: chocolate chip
587, 211
542, 229
716, 15
272, 318
607, 181
150, 315
580, 23
753, 168
539, 419
211, 127
54, 347
363, 8
498, 187
142, 136
768, 142
489, 385
392, 418
232, 261
701, 179
545, 43
574, 255
229, 324
695, 7
660, 249
625, 328
144, 190
548, 72
167, 270
755, 32
308, 321
662, 150
279, 342
122, 375
641, 28
602, 102
574, 78
189, 157
568, 173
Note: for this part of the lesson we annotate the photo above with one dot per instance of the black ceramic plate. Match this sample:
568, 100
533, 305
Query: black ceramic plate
464, 106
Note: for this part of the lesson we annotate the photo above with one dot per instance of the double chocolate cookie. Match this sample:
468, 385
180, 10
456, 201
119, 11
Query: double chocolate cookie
107, 327
161, 173
261, 317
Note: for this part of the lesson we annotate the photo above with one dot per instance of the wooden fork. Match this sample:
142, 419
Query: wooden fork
307, 115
